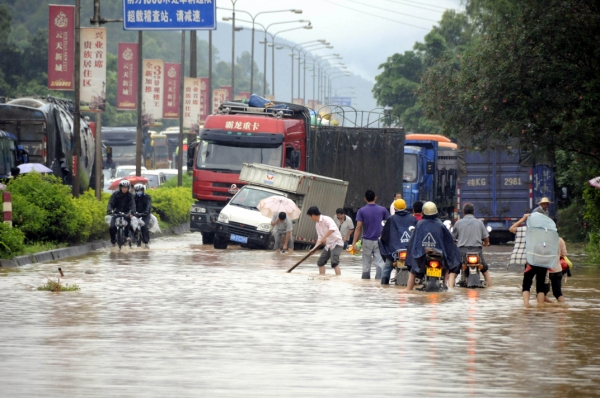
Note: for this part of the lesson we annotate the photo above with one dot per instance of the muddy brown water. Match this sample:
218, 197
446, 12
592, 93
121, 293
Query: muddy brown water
185, 320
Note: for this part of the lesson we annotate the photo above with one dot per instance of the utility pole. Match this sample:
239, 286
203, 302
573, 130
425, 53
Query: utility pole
76, 112
193, 72
181, 96
210, 80
138, 138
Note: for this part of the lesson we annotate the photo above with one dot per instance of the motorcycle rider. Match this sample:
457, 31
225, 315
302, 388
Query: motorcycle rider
430, 233
470, 235
395, 236
143, 205
121, 201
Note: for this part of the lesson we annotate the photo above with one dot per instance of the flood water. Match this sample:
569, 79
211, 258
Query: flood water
184, 320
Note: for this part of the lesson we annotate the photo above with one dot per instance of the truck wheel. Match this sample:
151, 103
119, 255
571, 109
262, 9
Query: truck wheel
271, 243
219, 243
207, 237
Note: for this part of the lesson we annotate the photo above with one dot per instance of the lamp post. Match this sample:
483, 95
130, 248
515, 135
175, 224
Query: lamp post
333, 76
293, 49
233, 48
321, 76
253, 17
305, 49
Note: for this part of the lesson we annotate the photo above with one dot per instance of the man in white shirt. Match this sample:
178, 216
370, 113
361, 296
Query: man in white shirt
396, 197
345, 225
328, 235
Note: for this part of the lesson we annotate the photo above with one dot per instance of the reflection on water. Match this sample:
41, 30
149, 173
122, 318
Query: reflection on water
186, 320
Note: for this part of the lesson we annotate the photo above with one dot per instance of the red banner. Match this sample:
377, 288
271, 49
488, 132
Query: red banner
61, 47
127, 78
229, 93
204, 98
172, 91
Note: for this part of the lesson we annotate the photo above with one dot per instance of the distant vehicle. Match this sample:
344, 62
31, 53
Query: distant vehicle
7, 153
44, 129
169, 173
155, 178
122, 144
157, 155
123, 171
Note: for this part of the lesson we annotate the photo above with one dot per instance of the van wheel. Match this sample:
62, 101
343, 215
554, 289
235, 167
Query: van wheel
219, 243
271, 243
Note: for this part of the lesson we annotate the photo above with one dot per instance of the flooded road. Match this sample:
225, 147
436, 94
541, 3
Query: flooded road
184, 320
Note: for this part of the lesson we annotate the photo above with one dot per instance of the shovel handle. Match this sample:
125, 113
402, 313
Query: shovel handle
310, 253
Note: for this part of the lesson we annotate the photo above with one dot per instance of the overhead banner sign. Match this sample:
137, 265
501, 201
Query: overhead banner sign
171, 91
61, 47
153, 86
192, 87
204, 98
93, 69
169, 14
341, 101
127, 79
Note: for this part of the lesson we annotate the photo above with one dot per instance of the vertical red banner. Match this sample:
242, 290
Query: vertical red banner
61, 47
204, 98
127, 76
229, 93
172, 91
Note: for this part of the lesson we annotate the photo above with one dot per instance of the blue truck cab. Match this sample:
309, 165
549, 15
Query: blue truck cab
430, 171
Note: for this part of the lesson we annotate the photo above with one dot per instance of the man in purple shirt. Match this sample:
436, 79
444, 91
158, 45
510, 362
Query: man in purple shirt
370, 217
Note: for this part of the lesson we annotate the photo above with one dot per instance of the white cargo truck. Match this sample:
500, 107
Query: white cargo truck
241, 222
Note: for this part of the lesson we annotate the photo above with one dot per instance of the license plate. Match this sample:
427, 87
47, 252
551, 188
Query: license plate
496, 224
434, 272
237, 238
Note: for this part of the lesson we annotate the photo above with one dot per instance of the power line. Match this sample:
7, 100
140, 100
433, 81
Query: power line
394, 12
376, 16
423, 8
428, 5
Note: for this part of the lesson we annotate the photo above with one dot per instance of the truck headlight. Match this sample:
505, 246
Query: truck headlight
223, 218
196, 209
265, 227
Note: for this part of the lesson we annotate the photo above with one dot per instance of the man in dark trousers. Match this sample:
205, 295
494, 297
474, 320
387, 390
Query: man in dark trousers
121, 201
395, 236
143, 205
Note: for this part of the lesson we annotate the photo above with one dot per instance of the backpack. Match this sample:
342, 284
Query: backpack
541, 241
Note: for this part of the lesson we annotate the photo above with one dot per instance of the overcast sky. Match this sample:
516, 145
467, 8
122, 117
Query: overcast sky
364, 32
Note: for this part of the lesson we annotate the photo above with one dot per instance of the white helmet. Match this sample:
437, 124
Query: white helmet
430, 209
125, 183
139, 187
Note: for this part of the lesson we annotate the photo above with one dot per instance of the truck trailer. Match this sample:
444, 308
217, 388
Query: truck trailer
241, 221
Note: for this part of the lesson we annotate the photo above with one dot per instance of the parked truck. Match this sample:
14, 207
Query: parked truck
44, 129
430, 172
503, 184
361, 150
241, 221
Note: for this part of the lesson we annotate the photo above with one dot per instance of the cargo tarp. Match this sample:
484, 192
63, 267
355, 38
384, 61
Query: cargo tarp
368, 158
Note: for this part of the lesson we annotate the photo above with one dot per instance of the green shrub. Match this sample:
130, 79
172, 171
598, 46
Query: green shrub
570, 223
94, 212
11, 241
186, 182
44, 210
172, 205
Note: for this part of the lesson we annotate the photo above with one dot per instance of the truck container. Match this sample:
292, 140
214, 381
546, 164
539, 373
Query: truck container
246, 225
503, 184
360, 150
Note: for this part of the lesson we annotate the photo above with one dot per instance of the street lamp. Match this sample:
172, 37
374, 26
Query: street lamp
322, 77
333, 76
293, 48
305, 49
253, 17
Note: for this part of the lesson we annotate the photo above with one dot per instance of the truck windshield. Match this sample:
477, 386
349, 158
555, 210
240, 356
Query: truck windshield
213, 155
126, 151
410, 168
249, 197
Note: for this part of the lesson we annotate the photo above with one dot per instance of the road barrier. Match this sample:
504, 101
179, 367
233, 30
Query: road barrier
7, 208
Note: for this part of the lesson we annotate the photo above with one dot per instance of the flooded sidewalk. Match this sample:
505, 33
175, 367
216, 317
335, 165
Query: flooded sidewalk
186, 320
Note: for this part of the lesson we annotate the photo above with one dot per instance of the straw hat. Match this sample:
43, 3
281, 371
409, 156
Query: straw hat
544, 200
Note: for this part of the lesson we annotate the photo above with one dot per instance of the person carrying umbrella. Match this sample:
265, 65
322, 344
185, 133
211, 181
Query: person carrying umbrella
282, 230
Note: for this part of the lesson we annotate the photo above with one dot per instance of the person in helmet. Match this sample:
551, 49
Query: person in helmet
121, 201
143, 205
430, 233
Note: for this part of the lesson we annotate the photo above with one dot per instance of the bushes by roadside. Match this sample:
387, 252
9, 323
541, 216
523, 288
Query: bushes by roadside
11, 241
172, 205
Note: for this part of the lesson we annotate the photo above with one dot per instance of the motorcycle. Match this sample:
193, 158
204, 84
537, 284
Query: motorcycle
136, 224
470, 274
402, 271
121, 224
435, 272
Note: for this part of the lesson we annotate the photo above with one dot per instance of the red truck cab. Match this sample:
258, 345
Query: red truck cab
240, 134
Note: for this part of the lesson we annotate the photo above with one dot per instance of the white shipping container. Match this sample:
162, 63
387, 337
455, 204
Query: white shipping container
328, 194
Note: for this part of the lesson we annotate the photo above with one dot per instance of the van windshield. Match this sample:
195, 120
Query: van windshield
410, 168
249, 197
213, 155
